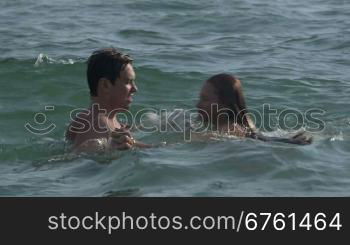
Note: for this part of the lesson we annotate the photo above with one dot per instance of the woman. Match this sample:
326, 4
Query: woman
222, 104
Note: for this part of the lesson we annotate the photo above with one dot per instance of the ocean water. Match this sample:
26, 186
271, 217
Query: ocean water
289, 54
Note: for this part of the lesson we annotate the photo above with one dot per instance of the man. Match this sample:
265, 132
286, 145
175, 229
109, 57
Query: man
111, 80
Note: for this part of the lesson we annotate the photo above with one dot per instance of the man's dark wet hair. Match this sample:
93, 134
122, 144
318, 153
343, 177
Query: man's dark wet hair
105, 63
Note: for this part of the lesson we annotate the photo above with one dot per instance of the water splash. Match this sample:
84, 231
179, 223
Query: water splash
338, 137
45, 59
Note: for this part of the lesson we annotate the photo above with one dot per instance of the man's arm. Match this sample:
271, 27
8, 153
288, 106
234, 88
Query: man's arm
92, 146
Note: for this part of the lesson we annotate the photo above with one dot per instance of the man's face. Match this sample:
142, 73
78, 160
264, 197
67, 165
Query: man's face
123, 89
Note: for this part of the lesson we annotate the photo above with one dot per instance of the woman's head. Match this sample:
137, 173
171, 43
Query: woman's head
221, 99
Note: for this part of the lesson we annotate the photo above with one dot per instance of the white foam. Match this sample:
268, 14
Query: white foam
45, 59
338, 137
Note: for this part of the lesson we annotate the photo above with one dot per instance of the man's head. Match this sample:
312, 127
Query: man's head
111, 77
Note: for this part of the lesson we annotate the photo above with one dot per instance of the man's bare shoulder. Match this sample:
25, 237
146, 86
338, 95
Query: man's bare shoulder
83, 128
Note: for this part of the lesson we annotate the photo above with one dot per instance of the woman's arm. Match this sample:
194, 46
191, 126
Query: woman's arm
300, 138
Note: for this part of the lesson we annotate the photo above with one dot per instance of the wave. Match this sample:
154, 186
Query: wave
42, 59
45, 59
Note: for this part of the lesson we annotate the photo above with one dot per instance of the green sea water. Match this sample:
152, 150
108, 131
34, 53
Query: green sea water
288, 54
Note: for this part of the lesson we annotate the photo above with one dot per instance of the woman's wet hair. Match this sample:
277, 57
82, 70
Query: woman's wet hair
231, 102
231, 99
105, 63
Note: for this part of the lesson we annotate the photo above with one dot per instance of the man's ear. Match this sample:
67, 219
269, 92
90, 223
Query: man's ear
104, 85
